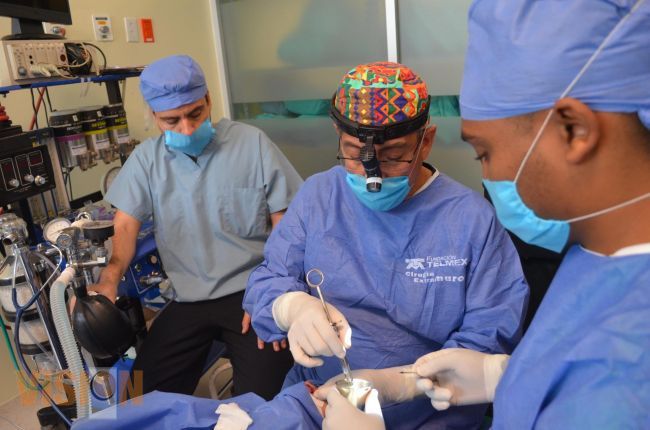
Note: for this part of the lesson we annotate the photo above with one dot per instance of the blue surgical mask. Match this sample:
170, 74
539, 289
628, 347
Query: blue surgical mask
522, 221
393, 191
195, 143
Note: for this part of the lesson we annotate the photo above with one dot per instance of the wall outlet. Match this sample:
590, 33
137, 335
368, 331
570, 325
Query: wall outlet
103, 28
57, 29
131, 29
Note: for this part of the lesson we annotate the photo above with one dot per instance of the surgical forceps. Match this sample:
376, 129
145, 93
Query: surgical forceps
316, 285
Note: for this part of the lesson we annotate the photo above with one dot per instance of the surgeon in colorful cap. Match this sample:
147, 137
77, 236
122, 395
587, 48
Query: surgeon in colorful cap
412, 261
556, 102
214, 191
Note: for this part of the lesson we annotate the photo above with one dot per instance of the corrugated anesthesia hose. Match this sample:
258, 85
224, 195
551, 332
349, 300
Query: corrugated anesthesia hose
66, 337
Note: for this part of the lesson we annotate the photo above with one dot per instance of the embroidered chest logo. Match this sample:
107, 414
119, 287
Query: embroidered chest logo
430, 269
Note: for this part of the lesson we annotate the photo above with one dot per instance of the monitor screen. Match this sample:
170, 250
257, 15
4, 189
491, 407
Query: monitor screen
57, 11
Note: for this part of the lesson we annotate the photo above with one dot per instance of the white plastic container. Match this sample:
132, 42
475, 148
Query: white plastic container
32, 330
23, 290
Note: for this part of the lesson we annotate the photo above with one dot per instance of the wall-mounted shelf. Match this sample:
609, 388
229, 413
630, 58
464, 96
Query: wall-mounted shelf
111, 81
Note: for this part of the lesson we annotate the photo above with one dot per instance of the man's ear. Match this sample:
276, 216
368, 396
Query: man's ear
428, 140
580, 129
149, 118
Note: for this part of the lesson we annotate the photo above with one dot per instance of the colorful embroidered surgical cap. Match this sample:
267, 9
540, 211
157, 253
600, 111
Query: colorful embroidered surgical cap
380, 94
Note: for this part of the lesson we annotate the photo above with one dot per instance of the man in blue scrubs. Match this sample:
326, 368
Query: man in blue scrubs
214, 191
561, 124
412, 260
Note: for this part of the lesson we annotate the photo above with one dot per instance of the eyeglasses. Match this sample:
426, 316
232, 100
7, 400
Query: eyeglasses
386, 163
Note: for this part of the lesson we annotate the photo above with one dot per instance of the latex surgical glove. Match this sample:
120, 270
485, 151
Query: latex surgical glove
310, 334
458, 376
393, 386
341, 414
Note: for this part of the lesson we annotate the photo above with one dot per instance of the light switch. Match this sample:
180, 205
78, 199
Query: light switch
131, 28
103, 28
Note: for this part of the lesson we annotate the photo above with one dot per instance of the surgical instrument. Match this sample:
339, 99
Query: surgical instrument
344, 361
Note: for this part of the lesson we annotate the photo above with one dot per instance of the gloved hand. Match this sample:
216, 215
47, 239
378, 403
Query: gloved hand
310, 334
341, 414
458, 376
393, 386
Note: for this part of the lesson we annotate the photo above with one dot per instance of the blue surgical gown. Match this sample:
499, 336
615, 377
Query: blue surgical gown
438, 271
585, 360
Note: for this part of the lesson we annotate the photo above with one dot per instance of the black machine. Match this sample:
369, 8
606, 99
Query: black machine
25, 165
104, 329
28, 17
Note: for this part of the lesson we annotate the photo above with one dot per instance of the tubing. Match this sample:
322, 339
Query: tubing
19, 312
12, 355
66, 337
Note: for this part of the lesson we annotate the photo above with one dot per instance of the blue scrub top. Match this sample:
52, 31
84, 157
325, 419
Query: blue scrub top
438, 271
585, 360
211, 217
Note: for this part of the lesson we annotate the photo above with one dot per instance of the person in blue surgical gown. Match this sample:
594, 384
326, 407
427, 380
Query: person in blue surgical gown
561, 125
418, 266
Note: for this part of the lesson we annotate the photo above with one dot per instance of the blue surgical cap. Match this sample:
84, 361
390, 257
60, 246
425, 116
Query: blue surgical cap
172, 82
523, 54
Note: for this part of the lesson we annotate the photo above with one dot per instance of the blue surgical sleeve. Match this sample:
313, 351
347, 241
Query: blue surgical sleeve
496, 298
282, 270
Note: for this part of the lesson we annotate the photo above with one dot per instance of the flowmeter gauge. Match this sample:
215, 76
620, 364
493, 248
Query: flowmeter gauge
53, 228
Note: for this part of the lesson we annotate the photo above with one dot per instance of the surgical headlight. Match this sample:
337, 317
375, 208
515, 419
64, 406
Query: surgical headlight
376, 135
371, 166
